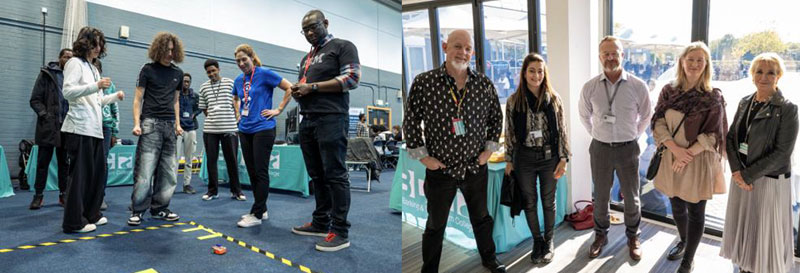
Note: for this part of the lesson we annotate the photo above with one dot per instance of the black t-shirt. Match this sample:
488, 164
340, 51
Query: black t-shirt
160, 84
326, 65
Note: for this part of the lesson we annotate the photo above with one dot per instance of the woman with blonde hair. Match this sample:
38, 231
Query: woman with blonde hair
690, 121
537, 147
758, 220
252, 96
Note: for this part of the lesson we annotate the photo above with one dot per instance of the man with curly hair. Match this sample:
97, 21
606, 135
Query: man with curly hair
156, 121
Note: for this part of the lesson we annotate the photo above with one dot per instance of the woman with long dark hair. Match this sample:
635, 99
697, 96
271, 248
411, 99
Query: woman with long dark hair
537, 149
252, 96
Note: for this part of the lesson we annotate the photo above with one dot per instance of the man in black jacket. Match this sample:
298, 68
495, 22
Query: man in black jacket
51, 108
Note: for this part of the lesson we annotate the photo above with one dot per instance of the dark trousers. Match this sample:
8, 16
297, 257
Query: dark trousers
529, 164
256, 151
323, 139
230, 147
440, 190
43, 166
690, 218
605, 162
86, 185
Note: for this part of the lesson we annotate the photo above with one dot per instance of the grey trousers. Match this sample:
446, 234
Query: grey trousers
605, 161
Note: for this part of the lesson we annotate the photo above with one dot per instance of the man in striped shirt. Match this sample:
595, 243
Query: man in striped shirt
216, 101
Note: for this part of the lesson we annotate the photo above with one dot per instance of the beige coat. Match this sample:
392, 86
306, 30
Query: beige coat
696, 182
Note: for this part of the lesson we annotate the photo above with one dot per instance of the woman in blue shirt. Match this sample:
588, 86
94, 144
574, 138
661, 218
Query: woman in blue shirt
252, 95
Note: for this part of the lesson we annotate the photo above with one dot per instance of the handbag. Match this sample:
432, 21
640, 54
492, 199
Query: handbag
652, 169
582, 218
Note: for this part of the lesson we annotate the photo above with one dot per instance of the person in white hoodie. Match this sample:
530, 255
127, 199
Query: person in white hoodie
83, 133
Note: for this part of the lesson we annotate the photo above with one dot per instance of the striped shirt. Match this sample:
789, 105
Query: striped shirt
217, 99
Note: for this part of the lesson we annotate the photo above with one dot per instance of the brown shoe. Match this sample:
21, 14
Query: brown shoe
635, 248
600, 241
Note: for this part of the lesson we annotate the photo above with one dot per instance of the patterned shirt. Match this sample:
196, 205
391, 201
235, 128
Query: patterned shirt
431, 105
217, 100
362, 130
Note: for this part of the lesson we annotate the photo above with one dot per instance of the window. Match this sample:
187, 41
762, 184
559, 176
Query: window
653, 33
739, 30
416, 44
506, 33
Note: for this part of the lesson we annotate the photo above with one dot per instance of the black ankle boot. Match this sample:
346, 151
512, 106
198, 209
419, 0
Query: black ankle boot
37, 201
686, 266
538, 246
547, 250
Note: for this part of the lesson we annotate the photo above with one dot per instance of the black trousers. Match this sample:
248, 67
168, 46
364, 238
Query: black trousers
230, 147
530, 165
256, 151
440, 190
323, 139
86, 181
690, 218
43, 164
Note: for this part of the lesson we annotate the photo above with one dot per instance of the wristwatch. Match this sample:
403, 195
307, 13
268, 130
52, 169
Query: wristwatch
314, 87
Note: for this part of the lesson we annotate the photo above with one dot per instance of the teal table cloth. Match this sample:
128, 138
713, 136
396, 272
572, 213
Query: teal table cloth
287, 170
6, 189
119, 162
407, 195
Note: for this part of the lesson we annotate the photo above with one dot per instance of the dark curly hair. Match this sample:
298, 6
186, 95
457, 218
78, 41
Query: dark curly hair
88, 38
160, 46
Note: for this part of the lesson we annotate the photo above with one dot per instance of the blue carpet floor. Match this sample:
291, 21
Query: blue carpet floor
375, 235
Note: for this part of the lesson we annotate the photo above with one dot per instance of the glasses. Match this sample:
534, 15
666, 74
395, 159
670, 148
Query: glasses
313, 26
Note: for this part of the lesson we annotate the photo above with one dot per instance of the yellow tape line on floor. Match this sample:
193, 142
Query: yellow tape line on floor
87, 238
249, 247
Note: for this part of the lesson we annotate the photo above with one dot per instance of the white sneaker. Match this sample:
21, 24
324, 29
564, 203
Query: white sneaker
239, 197
263, 216
249, 221
103, 220
87, 228
208, 197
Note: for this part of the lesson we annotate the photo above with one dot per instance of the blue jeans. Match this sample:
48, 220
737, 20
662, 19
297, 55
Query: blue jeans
323, 139
155, 166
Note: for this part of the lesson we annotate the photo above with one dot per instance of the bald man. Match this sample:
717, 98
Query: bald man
462, 118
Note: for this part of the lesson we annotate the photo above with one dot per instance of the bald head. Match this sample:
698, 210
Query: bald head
458, 49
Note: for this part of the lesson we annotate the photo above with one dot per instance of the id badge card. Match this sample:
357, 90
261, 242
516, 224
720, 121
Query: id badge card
246, 109
537, 134
743, 148
458, 127
185, 114
610, 119
548, 152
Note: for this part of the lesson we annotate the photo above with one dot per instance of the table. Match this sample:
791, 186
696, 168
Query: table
6, 189
407, 196
287, 170
119, 162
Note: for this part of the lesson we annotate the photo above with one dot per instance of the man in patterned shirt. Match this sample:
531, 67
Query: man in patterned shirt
461, 115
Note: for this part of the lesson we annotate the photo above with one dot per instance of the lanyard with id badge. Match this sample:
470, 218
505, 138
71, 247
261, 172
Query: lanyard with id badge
246, 89
609, 117
458, 124
743, 146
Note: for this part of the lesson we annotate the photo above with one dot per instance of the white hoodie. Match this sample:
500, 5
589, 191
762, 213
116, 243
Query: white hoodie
86, 100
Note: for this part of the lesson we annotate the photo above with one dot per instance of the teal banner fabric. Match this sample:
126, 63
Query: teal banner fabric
6, 189
407, 195
119, 162
287, 170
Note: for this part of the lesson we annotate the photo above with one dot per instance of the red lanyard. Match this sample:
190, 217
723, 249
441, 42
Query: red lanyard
308, 63
246, 86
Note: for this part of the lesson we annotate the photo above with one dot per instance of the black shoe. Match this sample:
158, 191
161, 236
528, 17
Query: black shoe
686, 266
37, 202
188, 189
548, 251
166, 214
677, 251
494, 265
333, 242
309, 230
23, 185
536, 254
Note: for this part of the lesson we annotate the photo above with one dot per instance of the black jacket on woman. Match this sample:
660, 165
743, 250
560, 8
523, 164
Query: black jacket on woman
773, 132
47, 102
